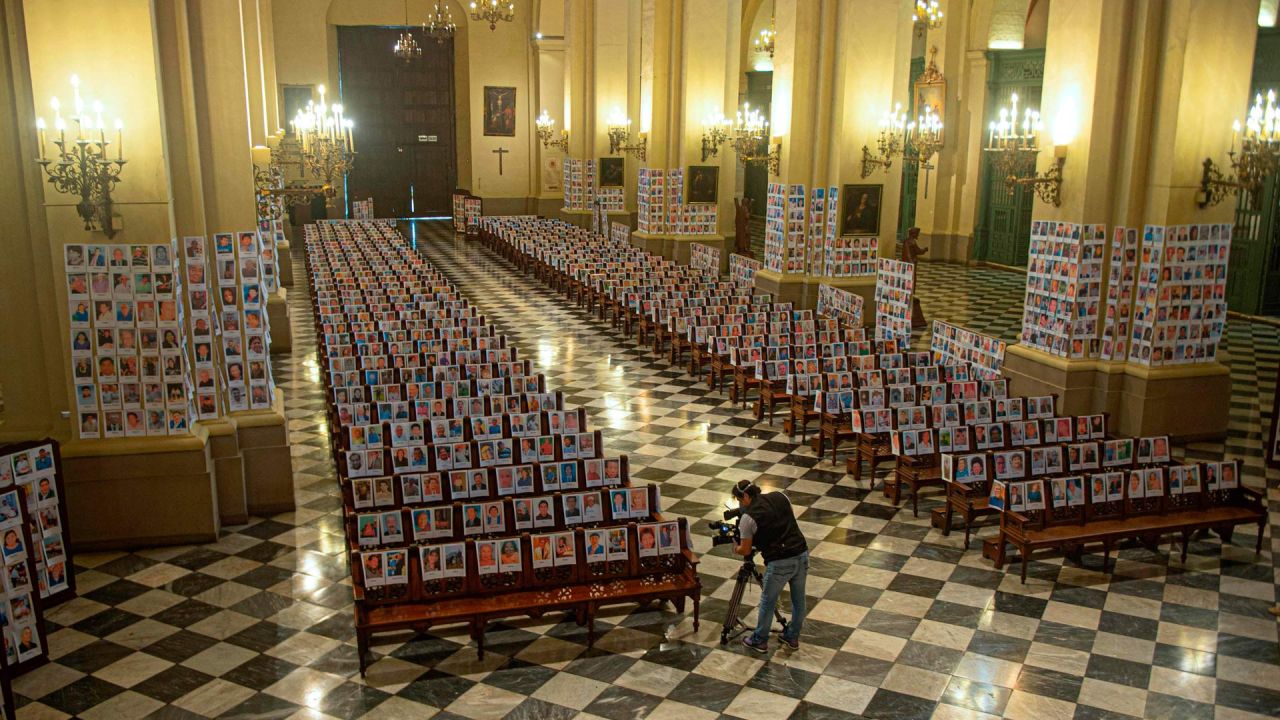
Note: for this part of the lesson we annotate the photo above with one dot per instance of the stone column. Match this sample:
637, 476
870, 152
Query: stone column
1132, 162
222, 108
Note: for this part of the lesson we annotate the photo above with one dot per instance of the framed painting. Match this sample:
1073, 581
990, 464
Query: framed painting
861, 212
611, 171
702, 184
500, 111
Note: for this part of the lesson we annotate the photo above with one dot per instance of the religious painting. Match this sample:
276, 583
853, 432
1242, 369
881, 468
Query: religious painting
931, 89
500, 111
861, 213
702, 183
611, 171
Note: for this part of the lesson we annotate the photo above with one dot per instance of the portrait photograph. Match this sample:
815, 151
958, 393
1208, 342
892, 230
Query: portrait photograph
500, 111
701, 184
611, 172
861, 212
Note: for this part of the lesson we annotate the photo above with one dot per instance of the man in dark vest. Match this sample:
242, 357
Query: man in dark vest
768, 524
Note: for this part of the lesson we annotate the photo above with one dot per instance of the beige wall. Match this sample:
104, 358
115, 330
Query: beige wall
306, 54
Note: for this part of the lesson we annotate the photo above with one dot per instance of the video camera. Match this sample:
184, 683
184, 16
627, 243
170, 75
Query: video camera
726, 533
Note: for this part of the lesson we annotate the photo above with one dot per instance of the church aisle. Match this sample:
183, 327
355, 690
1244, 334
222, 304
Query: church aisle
903, 623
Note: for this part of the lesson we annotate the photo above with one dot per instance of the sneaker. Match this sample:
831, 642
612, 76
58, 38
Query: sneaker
793, 644
760, 647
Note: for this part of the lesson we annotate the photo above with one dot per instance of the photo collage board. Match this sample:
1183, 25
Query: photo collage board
459, 198
620, 232
1121, 277
272, 234
838, 303
817, 231
362, 209
28, 578
129, 363
1064, 288
705, 258
651, 193
952, 345
784, 229
34, 471
241, 334
472, 211
1180, 307
742, 270
579, 183
895, 283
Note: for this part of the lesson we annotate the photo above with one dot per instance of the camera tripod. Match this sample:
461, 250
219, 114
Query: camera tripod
732, 623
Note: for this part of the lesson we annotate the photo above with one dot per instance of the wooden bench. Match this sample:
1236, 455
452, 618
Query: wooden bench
477, 600
915, 473
1070, 529
871, 448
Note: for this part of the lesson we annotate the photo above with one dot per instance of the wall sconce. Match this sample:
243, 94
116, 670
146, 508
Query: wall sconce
893, 128
82, 167
714, 136
750, 138
546, 133
1258, 158
620, 133
1014, 146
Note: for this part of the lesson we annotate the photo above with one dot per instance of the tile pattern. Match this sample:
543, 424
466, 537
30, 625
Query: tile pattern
903, 623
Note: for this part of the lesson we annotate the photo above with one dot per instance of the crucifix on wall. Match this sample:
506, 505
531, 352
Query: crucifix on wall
500, 152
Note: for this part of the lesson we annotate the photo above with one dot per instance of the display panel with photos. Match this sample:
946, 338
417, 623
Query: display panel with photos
34, 469
131, 373
784, 228
705, 258
579, 183
838, 303
244, 341
651, 194
1064, 288
1121, 278
895, 283
742, 270
1180, 304
952, 344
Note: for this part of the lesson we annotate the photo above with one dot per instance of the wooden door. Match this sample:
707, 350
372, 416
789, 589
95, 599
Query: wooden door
404, 114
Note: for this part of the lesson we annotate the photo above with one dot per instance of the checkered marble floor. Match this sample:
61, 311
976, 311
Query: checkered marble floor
903, 622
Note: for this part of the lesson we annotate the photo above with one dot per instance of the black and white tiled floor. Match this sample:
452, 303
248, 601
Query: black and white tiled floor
903, 622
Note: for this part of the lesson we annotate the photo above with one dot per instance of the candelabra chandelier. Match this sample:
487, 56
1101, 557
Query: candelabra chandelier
407, 48
328, 144
889, 143
764, 41
439, 24
1014, 145
493, 12
82, 167
546, 133
1258, 158
717, 132
620, 133
927, 16
750, 138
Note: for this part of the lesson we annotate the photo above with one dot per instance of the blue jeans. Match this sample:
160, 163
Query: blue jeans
777, 574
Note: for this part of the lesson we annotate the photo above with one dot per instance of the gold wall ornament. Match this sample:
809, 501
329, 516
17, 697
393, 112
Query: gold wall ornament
82, 166
1257, 160
889, 141
619, 130
716, 133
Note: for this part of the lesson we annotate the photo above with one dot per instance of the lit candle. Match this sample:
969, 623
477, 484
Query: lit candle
119, 140
61, 126
40, 133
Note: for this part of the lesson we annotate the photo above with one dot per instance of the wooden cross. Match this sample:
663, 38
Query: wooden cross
500, 152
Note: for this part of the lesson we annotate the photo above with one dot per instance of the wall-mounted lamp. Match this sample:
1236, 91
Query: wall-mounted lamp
620, 133
889, 143
1257, 160
1014, 145
715, 135
82, 166
546, 133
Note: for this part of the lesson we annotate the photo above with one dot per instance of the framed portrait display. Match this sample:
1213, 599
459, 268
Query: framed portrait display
861, 211
499, 111
611, 171
702, 184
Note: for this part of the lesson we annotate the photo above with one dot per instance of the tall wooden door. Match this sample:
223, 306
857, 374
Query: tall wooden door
404, 114
1003, 234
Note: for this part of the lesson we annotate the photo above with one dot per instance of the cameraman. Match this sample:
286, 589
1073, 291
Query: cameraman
768, 523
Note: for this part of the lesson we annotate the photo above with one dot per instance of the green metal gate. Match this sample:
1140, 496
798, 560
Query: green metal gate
1004, 217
